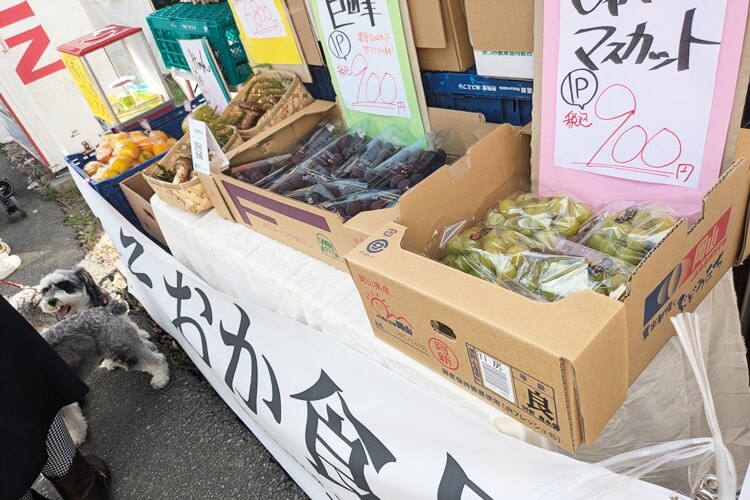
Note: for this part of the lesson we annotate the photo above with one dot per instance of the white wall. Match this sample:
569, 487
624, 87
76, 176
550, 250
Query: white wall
4, 134
125, 12
51, 109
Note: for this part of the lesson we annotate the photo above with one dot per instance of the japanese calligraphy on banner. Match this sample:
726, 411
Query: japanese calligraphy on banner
640, 92
78, 71
266, 31
340, 424
203, 66
368, 59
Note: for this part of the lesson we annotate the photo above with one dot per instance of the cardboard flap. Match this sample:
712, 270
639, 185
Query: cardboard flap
300, 18
138, 185
370, 221
427, 24
501, 24
745, 250
508, 172
463, 127
742, 150
278, 138
601, 368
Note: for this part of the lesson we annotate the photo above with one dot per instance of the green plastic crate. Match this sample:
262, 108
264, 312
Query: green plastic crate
185, 21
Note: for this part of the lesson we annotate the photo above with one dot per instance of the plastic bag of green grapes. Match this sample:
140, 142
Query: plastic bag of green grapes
628, 231
540, 217
555, 277
493, 254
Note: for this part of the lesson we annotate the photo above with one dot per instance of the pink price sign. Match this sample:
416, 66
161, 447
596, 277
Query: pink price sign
637, 97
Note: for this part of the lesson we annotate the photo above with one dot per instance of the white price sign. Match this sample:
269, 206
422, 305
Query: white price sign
203, 66
205, 148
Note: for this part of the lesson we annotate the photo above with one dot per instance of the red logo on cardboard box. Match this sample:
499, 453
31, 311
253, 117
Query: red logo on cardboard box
702, 251
691, 265
443, 353
383, 312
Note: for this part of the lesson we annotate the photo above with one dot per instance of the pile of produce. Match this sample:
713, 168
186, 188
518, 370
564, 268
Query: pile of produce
267, 169
176, 168
628, 234
406, 168
117, 153
352, 204
261, 95
344, 171
548, 248
220, 127
320, 166
539, 216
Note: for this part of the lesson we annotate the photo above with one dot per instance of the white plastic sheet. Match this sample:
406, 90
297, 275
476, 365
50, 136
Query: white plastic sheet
664, 404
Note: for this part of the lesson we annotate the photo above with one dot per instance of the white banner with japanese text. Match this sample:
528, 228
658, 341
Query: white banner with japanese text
340, 424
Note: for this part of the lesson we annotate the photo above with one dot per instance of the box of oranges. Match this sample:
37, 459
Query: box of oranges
120, 152
117, 157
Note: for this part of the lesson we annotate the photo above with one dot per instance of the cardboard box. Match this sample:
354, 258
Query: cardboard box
441, 35
561, 368
301, 20
275, 140
312, 230
502, 35
138, 193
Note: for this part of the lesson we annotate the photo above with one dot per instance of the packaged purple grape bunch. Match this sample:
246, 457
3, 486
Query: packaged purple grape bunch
385, 145
327, 191
408, 167
371, 199
320, 166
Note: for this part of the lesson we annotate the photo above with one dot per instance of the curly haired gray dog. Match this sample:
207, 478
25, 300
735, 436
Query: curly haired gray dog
58, 295
92, 330
104, 336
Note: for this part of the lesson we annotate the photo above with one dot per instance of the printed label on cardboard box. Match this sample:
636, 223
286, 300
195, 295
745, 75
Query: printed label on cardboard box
283, 234
661, 301
496, 376
237, 193
387, 318
326, 247
533, 397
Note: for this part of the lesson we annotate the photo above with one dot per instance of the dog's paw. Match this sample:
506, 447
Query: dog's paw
108, 365
78, 437
160, 381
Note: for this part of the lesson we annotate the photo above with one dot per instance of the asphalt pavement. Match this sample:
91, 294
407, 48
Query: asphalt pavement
40, 239
181, 442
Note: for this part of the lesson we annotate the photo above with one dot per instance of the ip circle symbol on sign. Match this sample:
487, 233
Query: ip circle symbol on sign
377, 246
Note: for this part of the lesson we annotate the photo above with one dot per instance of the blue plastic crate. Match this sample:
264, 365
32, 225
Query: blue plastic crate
321, 86
170, 122
501, 101
110, 189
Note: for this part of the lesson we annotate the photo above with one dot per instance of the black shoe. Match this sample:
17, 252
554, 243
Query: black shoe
87, 479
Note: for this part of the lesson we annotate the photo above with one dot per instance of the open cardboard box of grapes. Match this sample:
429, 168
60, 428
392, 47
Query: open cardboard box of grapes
562, 368
326, 234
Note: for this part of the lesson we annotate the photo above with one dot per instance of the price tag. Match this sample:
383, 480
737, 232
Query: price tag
203, 142
203, 66
199, 146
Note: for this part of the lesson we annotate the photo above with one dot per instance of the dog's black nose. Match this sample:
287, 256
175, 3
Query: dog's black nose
52, 302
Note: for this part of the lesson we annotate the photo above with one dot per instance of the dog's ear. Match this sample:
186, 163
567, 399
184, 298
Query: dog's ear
97, 296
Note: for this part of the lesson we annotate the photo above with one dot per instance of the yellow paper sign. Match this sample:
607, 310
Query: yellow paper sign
266, 31
86, 86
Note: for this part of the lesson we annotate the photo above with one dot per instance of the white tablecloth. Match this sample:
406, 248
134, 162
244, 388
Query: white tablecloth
663, 404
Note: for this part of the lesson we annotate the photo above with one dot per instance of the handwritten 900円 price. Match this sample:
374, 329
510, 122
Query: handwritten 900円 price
629, 69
